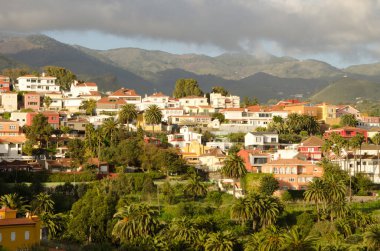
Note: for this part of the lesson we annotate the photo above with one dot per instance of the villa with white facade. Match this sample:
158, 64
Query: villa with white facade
34, 83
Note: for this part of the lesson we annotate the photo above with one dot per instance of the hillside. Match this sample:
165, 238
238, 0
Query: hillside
233, 66
39, 50
365, 69
348, 90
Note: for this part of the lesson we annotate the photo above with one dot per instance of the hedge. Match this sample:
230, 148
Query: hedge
71, 177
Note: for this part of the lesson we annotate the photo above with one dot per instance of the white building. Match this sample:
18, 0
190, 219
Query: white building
38, 84
98, 119
159, 99
169, 112
193, 101
184, 137
11, 147
9, 101
217, 100
20, 117
77, 89
129, 95
261, 140
56, 100
72, 104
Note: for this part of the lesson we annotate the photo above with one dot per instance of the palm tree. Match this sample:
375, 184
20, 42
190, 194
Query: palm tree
42, 204
153, 115
89, 106
297, 240
91, 139
372, 237
273, 239
13, 201
356, 143
127, 114
376, 140
195, 188
254, 241
220, 241
241, 210
47, 101
234, 168
315, 192
109, 129
271, 208
183, 230
134, 221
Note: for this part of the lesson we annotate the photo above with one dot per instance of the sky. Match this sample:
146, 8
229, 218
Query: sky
340, 32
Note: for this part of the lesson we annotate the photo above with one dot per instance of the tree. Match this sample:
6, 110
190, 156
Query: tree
64, 77
268, 184
220, 241
14, 201
249, 102
109, 128
348, 120
218, 116
76, 151
241, 210
89, 106
219, 89
316, 192
195, 188
356, 143
234, 168
127, 114
186, 87
153, 115
297, 240
14, 73
47, 101
273, 239
134, 221
372, 237
40, 130
376, 140
42, 204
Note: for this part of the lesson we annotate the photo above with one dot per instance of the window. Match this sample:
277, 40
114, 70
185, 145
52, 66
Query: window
13, 236
1, 237
258, 139
291, 179
27, 235
12, 127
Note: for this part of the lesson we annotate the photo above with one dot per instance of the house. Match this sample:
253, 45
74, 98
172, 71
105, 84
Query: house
293, 174
261, 140
41, 83
18, 233
98, 120
219, 101
347, 132
5, 84
128, 95
9, 101
77, 124
347, 109
254, 159
52, 118
9, 128
311, 148
20, 117
72, 104
32, 100
193, 101
56, 101
212, 160
327, 113
367, 121
77, 89
191, 152
184, 137
169, 112
302, 109
158, 98
222, 144
202, 120
10, 165
363, 162
109, 104
11, 147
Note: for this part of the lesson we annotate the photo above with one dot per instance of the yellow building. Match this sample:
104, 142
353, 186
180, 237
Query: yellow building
18, 233
192, 151
302, 109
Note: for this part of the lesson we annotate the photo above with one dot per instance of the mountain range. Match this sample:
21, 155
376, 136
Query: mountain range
265, 77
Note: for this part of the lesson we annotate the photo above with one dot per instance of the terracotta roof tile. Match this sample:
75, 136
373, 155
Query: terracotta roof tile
312, 141
124, 92
17, 221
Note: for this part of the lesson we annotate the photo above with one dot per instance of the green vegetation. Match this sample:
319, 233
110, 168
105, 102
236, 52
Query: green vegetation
186, 87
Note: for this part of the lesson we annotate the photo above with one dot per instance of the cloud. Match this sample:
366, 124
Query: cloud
348, 28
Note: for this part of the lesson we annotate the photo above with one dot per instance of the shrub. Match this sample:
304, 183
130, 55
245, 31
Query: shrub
72, 177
